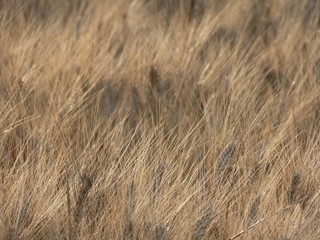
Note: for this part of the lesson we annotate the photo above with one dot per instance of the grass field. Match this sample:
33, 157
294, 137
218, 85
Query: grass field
177, 119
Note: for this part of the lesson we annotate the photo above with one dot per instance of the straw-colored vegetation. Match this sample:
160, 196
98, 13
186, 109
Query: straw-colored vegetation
175, 119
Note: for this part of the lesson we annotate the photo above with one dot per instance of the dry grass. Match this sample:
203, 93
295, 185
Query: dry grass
160, 119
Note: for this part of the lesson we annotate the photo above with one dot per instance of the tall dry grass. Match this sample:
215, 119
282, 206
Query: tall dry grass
160, 119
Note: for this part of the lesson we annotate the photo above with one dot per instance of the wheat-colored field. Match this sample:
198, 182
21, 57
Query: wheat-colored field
175, 119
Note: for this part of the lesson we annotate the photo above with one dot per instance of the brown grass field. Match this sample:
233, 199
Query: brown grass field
153, 119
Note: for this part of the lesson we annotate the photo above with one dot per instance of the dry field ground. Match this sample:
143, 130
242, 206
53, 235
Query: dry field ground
177, 119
